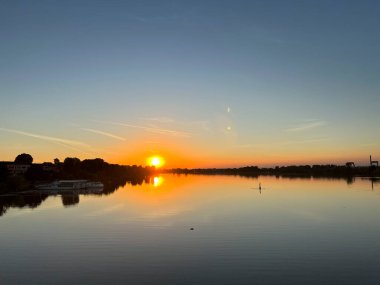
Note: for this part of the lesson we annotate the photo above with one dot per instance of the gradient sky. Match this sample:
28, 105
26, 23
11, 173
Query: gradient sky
201, 83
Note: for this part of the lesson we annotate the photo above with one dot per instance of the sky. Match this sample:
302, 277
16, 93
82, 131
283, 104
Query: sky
199, 83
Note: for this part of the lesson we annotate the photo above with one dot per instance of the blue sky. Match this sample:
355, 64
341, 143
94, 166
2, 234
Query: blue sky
227, 82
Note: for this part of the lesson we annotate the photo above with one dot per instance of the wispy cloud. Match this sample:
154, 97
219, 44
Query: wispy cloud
73, 143
307, 126
103, 133
164, 120
249, 145
73, 148
194, 126
305, 141
151, 129
204, 125
279, 143
369, 144
159, 130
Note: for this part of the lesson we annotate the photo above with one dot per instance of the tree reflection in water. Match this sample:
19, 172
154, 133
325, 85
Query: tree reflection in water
32, 199
69, 200
28, 200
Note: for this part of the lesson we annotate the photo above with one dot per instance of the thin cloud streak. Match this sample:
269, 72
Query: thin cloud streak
47, 138
158, 130
150, 129
282, 143
72, 148
249, 145
103, 133
307, 126
164, 120
305, 141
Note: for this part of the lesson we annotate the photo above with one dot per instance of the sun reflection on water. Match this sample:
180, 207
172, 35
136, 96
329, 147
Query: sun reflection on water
157, 181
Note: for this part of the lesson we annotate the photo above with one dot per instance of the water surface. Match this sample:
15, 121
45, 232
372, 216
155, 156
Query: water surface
293, 231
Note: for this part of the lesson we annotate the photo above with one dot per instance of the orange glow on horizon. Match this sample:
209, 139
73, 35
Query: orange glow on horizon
176, 153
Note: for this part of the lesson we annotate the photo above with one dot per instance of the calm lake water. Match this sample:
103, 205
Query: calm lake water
293, 231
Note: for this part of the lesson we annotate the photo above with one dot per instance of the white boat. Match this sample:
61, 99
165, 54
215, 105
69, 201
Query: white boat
94, 185
71, 185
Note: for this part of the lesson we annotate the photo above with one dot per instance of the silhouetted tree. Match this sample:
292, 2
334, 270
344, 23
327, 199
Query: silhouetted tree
56, 161
71, 165
93, 165
24, 158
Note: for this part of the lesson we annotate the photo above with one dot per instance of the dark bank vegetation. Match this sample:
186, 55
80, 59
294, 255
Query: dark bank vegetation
22, 174
29, 175
111, 175
323, 171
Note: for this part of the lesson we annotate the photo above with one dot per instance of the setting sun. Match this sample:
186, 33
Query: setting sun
155, 161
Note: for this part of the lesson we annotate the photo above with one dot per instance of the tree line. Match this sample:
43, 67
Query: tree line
111, 175
329, 170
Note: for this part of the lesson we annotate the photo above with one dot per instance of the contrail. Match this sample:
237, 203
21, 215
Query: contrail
150, 129
103, 133
305, 141
47, 138
307, 126
73, 148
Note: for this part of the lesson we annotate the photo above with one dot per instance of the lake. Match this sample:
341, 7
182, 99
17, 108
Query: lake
198, 230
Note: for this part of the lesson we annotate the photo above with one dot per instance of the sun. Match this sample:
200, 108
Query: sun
155, 161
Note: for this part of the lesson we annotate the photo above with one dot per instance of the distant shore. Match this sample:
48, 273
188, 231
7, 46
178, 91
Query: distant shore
333, 171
